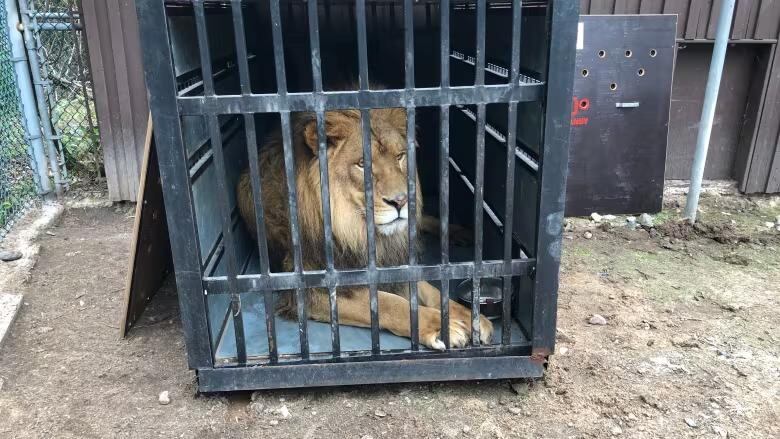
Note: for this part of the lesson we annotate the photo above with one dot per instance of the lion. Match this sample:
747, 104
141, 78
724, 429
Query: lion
348, 208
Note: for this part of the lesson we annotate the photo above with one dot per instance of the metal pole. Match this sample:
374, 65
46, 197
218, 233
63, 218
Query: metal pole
40, 97
708, 112
27, 96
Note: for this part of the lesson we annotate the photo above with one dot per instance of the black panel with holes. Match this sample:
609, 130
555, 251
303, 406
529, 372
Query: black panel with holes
620, 114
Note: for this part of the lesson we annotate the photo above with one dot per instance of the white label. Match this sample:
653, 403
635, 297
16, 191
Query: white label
580, 36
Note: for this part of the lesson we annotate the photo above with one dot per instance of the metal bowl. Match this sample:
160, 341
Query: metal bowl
490, 296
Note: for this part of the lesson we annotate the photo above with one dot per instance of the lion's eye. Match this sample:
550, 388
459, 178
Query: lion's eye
401, 156
359, 164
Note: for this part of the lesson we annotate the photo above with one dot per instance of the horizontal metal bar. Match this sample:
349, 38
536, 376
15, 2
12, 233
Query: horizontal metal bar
360, 99
322, 279
740, 41
369, 372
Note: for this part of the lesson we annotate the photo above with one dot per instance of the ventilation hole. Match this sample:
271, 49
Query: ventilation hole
602, 53
653, 53
613, 86
584, 104
585, 73
628, 54
640, 72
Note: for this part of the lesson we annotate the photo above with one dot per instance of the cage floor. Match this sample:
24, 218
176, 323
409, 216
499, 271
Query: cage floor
319, 334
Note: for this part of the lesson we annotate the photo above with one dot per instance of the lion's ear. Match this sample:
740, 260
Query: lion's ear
397, 119
338, 127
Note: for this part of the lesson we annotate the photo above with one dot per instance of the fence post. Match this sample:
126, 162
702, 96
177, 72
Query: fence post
40, 96
708, 112
27, 96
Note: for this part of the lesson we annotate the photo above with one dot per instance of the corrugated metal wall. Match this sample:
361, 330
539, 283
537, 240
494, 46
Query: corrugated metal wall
745, 143
120, 91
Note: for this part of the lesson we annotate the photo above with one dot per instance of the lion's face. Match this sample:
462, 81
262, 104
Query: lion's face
346, 171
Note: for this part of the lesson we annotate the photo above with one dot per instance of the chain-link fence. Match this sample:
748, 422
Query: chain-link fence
17, 178
64, 69
56, 88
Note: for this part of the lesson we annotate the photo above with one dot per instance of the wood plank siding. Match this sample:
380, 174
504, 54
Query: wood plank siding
753, 19
745, 147
120, 91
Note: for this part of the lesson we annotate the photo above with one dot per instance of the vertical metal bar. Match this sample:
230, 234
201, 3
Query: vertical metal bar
289, 167
362, 43
411, 168
185, 246
365, 122
444, 170
219, 161
480, 55
514, 77
479, 214
326, 214
241, 52
40, 96
203, 47
322, 155
262, 240
708, 110
50, 97
479, 181
27, 97
562, 22
314, 43
254, 173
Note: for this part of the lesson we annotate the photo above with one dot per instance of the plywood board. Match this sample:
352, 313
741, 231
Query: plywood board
150, 254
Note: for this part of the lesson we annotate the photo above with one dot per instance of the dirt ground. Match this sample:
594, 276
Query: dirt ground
690, 348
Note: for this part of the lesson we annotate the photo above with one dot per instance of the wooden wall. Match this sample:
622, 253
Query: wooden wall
746, 134
120, 91
747, 148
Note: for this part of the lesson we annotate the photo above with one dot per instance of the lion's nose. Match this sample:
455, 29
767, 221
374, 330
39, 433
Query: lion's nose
398, 201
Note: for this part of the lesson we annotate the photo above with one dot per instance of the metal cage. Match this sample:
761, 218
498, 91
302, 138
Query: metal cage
489, 85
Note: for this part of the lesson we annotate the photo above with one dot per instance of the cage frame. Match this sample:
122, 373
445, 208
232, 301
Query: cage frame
475, 362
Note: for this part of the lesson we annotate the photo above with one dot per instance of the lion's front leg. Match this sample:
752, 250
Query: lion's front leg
431, 296
394, 316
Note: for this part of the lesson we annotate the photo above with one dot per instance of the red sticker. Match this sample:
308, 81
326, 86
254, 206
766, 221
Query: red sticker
579, 105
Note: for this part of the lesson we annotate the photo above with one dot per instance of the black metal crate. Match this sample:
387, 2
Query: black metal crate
472, 80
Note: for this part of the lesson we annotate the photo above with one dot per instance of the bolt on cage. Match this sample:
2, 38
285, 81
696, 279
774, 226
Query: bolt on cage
227, 287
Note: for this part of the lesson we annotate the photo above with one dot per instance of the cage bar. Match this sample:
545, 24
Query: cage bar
360, 100
254, 173
219, 161
322, 155
411, 167
517, 220
365, 124
444, 168
361, 277
511, 141
552, 172
242, 57
289, 168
